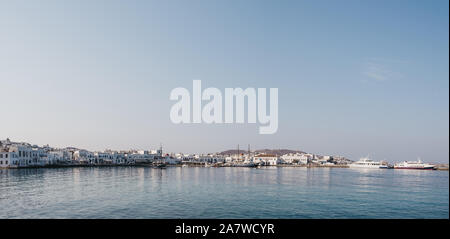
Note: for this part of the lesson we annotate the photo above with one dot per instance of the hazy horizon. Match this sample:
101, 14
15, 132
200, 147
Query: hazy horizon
354, 78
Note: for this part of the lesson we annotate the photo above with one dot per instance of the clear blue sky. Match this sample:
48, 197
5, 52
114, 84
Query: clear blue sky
354, 77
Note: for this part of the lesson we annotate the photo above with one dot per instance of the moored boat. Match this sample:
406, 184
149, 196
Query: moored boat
367, 163
414, 165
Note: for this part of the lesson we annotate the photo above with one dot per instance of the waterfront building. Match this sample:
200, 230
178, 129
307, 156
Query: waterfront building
143, 156
119, 158
53, 158
341, 160
5, 158
84, 157
16, 155
186, 157
322, 160
296, 158
103, 157
171, 160
229, 159
21, 155
266, 159
211, 158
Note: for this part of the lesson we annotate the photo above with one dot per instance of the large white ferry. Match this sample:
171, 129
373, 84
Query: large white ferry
414, 165
367, 163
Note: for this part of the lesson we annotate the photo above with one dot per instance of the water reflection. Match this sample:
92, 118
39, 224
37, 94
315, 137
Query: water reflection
194, 192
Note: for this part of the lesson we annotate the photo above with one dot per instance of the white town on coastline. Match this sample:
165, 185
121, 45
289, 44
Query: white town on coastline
23, 155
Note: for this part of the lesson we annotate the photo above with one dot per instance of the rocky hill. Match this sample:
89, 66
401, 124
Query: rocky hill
265, 151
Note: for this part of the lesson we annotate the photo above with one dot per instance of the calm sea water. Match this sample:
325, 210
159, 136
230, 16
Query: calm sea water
138, 192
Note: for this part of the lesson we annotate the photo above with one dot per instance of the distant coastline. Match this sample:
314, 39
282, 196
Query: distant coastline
25, 155
442, 167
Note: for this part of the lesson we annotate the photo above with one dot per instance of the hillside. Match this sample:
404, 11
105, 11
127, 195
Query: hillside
266, 151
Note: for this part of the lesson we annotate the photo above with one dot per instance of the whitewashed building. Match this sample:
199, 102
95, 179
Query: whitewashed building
5, 158
171, 160
17, 155
142, 156
211, 158
84, 157
299, 158
266, 159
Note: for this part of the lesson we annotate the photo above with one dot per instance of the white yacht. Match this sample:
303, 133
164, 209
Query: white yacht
414, 165
367, 163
